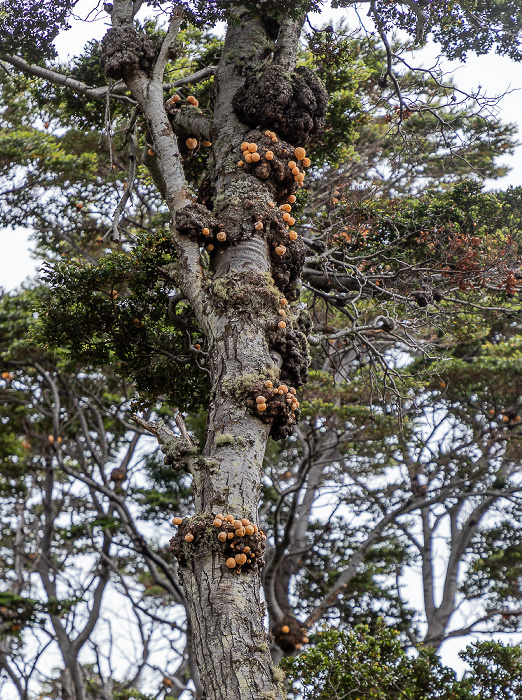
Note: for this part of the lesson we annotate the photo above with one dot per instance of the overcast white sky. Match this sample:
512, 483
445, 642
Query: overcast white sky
496, 74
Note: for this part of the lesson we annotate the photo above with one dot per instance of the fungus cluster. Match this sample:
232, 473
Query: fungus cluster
275, 403
188, 146
291, 344
287, 255
267, 157
196, 222
239, 540
289, 634
287, 252
274, 222
243, 544
295, 106
285, 166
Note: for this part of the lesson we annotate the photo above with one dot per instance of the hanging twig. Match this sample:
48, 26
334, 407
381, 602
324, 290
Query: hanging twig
114, 232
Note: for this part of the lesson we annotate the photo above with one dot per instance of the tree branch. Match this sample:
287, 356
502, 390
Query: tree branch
63, 80
161, 61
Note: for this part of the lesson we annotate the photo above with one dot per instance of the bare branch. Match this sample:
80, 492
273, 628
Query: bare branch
63, 80
168, 41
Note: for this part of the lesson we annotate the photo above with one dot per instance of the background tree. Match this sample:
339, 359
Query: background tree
217, 297
379, 668
77, 537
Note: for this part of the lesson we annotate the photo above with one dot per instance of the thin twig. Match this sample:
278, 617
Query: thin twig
114, 232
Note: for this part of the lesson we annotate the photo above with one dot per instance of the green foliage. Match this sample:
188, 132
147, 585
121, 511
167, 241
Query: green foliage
74, 109
18, 612
493, 576
375, 666
459, 26
28, 29
337, 61
370, 595
118, 311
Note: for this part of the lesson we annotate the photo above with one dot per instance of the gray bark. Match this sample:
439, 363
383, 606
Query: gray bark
229, 638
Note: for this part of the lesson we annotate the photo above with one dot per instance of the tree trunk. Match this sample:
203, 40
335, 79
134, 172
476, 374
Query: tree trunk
240, 302
230, 640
